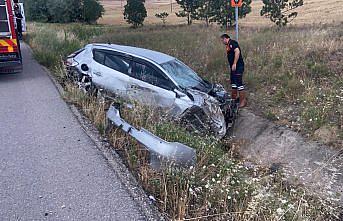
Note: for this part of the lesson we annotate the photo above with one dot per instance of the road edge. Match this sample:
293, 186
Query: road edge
125, 176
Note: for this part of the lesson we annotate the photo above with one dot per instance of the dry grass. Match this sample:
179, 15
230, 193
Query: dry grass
220, 186
114, 12
294, 75
313, 12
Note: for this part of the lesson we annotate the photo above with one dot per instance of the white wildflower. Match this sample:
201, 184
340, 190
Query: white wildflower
291, 206
280, 211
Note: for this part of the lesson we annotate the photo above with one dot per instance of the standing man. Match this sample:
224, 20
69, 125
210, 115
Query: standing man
235, 58
19, 17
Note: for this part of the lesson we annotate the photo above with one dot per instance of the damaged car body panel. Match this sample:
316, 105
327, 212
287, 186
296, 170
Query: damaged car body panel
155, 79
160, 150
206, 114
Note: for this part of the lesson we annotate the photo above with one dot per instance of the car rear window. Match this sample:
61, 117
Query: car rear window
99, 56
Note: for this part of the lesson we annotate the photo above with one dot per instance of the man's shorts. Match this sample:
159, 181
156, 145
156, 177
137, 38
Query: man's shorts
237, 79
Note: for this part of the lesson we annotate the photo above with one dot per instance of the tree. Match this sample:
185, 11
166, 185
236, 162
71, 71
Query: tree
36, 10
163, 16
203, 12
222, 13
281, 12
92, 10
189, 9
135, 12
63, 11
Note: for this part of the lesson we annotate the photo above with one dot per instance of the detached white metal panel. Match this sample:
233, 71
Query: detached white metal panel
23, 20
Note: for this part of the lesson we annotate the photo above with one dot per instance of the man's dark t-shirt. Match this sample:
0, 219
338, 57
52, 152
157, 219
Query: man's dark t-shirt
230, 48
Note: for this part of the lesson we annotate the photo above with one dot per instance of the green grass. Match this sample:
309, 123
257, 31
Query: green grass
280, 73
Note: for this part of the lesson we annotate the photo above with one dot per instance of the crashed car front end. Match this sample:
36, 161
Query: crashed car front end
206, 115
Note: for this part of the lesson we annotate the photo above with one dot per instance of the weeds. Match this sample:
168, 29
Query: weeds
219, 186
278, 63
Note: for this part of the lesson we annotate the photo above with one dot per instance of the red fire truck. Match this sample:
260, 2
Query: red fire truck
10, 54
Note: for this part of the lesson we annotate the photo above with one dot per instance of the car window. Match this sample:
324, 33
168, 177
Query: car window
117, 63
99, 56
148, 74
185, 76
113, 61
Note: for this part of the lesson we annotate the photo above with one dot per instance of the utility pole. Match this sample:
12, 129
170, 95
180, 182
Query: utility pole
237, 4
236, 18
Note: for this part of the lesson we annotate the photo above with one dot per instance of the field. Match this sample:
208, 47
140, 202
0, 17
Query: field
294, 78
283, 99
313, 12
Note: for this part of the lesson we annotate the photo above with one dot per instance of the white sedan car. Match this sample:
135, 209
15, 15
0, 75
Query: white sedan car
155, 79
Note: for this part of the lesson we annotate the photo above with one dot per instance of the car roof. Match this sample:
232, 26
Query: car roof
155, 56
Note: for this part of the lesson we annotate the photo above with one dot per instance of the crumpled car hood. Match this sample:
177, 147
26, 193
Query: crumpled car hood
207, 112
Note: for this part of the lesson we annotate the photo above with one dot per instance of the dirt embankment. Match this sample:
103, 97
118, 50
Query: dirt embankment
319, 167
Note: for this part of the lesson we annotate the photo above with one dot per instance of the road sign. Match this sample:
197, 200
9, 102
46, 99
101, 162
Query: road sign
236, 3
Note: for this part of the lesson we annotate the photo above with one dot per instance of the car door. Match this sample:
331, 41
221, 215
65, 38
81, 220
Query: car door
151, 86
110, 71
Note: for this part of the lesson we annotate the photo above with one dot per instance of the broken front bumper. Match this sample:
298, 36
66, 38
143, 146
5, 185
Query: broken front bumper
160, 150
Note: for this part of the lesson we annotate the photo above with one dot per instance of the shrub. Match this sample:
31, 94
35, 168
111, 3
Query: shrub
281, 12
63, 11
163, 16
92, 11
135, 12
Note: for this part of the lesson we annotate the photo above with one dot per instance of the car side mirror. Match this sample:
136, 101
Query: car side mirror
179, 94
84, 67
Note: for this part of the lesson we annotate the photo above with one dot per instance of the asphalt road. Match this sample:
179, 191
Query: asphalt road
49, 168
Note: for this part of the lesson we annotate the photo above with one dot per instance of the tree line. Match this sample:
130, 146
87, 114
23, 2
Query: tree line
64, 11
281, 12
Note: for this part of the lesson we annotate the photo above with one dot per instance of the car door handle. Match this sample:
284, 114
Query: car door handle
98, 74
134, 86
137, 87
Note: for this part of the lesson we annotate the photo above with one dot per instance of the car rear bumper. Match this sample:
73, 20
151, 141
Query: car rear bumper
10, 66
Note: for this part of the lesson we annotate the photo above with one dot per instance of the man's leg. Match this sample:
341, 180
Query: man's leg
234, 89
241, 89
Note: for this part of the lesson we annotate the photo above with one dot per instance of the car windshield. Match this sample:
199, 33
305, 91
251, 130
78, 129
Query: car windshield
185, 76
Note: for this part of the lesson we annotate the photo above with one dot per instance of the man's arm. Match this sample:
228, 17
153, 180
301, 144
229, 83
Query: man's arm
237, 53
